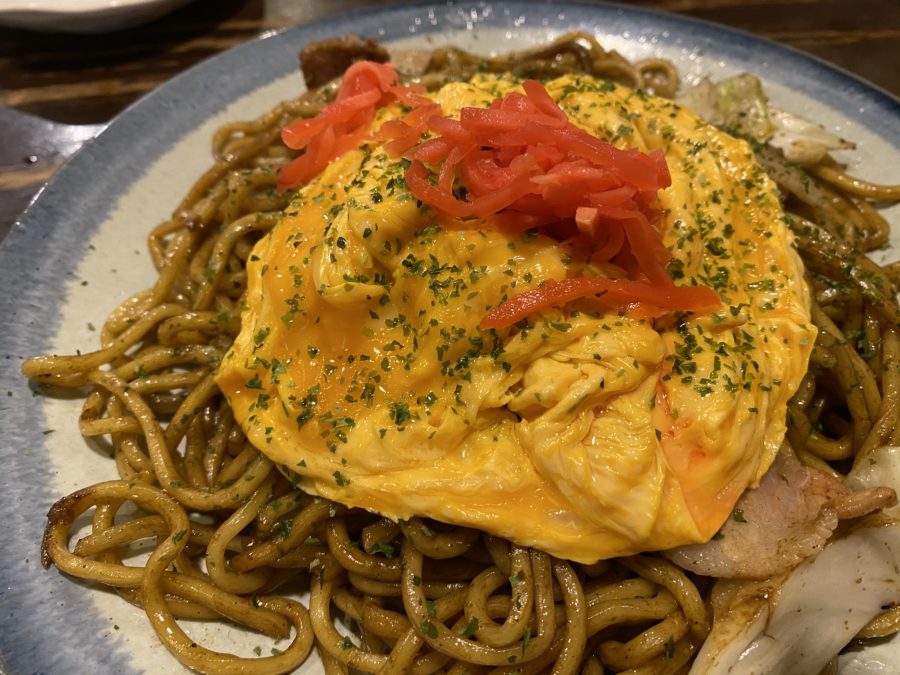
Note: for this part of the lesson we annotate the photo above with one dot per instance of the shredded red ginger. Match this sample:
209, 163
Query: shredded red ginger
343, 125
523, 165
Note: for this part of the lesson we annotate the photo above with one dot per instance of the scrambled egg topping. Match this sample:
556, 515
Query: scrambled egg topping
361, 370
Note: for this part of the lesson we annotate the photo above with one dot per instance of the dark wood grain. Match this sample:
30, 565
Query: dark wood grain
89, 79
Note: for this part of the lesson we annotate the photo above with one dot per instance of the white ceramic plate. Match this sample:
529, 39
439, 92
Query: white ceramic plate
82, 16
79, 250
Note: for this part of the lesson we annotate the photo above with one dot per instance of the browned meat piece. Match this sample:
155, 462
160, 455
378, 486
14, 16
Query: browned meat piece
325, 60
789, 517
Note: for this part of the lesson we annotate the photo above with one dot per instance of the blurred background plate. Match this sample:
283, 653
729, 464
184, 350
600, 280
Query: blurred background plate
82, 16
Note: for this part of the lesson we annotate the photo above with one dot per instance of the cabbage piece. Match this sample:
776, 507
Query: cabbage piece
798, 623
744, 107
800, 140
739, 105
703, 100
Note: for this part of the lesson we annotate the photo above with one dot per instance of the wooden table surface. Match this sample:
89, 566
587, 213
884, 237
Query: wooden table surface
86, 80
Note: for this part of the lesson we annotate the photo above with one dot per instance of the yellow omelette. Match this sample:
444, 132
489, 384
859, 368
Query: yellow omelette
362, 372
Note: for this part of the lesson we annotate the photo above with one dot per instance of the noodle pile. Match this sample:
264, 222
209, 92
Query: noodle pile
231, 538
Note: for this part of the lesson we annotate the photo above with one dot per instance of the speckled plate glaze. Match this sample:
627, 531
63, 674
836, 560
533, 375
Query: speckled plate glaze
80, 249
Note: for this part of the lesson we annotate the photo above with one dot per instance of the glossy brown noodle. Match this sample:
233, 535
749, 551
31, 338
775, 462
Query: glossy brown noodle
231, 538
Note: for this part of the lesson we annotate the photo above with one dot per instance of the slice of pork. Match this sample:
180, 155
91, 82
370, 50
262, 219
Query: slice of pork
788, 518
324, 60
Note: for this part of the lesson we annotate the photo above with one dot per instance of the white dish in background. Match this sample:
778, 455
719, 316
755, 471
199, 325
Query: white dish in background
82, 16
80, 249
